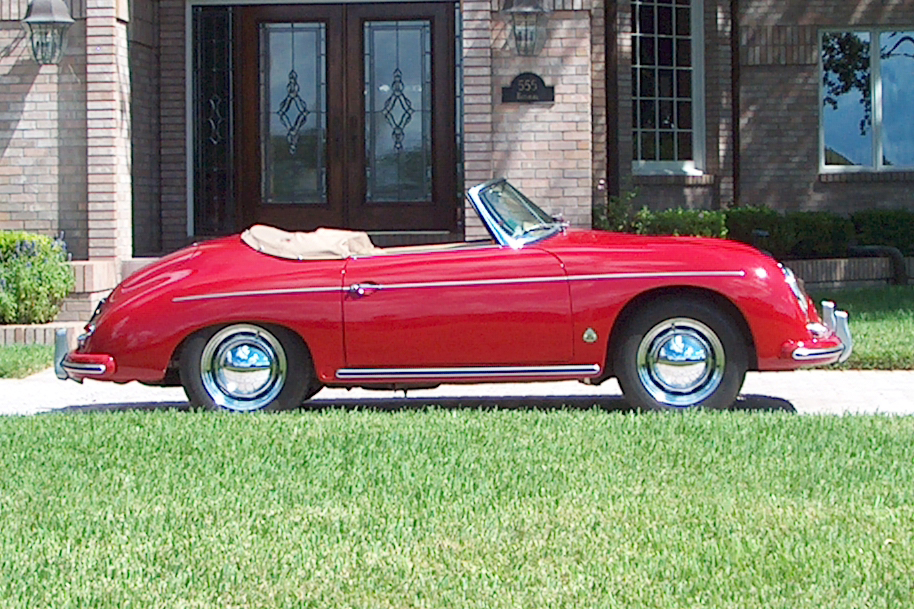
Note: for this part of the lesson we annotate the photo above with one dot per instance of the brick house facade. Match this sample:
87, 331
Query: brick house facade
101, 145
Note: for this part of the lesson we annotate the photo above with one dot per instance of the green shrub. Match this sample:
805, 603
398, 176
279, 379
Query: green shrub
778, 237
892, 227
34, 277
617, 214
819, 234
684, 222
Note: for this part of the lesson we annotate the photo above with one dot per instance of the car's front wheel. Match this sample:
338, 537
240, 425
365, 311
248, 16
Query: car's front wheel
246, 367
680, 354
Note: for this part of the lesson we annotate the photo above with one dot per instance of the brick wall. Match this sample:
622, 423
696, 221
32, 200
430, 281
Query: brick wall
173, 124
546, 149
478, 97
555, 152
144, 84
42, 123
110, 192
779, 106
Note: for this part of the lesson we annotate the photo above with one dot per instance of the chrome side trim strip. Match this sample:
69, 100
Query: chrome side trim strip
83, 368
658, 275
469, 283
554, 279
276, 292
466, 372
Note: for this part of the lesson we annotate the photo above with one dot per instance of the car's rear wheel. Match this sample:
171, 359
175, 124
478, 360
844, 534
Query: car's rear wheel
245, 368
680, 354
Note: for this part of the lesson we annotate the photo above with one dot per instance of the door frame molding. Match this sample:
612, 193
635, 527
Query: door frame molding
189, 83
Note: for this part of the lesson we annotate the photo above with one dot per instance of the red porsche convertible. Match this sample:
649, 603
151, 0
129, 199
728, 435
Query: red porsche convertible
263, 320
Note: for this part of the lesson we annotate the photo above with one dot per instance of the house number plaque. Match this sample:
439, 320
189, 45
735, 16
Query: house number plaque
527, 88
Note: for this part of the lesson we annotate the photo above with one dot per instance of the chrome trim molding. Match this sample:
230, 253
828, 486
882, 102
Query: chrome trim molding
276, 292
83, 368
61, 348
805, 354
658, 275
843, 330
466, 372
835, 322
467, 283
553, 279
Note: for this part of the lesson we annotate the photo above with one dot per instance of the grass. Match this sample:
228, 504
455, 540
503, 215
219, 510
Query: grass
18, 361
454, 509
882, 323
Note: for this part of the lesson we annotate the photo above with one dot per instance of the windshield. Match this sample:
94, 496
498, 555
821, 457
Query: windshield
512, 218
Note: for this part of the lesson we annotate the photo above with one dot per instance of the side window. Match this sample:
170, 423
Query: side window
667, 86
866, 91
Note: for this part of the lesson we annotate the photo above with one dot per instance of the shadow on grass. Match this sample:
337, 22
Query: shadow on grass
387, 403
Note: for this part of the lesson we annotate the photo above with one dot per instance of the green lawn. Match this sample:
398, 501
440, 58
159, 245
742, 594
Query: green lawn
451, 509
17, 361
882, 323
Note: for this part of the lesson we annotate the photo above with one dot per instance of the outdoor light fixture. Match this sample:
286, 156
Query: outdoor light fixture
528, 24
46, 23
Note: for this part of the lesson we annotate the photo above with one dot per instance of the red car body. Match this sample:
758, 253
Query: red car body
467, 312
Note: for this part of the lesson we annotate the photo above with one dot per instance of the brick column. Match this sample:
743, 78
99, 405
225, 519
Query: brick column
477, 99
108, 131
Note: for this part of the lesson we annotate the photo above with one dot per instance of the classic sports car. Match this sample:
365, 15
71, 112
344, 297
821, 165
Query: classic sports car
263, 320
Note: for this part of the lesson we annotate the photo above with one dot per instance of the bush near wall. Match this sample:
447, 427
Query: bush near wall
34, 277
892, 227
793, 235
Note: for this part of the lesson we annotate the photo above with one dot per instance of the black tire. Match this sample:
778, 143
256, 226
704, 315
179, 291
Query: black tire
271, 369
680, 354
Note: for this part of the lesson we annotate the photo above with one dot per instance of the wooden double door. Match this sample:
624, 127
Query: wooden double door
345, 116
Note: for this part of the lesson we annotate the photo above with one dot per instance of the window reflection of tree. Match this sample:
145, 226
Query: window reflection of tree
846, 67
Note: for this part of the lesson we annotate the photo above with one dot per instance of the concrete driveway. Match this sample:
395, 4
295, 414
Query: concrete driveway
804, 392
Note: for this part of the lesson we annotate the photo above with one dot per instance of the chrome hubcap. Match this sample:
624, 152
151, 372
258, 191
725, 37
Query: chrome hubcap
243, 367
680, 362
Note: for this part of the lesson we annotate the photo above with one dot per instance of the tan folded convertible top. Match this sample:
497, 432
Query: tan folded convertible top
321, 244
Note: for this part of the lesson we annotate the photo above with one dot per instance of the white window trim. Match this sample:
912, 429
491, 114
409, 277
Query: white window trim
876, 95
696, 166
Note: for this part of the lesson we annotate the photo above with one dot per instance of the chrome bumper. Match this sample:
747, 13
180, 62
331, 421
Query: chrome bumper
61, 348
836, 321
835, 326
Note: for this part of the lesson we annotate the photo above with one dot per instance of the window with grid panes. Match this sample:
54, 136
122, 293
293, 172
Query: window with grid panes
667, 83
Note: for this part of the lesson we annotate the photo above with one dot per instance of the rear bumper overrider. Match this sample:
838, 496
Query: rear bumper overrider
78, 366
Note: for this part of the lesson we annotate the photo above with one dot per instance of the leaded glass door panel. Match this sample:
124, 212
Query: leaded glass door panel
347, 116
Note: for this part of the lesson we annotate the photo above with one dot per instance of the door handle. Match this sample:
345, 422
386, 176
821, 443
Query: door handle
357, 290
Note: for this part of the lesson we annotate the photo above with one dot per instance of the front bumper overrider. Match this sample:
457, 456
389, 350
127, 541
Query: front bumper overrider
834, 346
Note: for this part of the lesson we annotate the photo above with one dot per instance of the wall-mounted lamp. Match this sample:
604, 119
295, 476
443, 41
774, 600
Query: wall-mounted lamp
46, 23
528, 24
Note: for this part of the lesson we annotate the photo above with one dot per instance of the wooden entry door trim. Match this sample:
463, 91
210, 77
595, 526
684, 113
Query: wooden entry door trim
347, 201
438, 213
249, 155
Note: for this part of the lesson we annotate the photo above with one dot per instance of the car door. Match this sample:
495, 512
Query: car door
486, 306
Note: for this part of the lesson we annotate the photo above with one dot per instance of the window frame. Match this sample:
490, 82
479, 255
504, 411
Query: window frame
876, 165
696, 166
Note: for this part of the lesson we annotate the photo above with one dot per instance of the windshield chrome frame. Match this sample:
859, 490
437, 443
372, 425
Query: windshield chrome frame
496, 229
